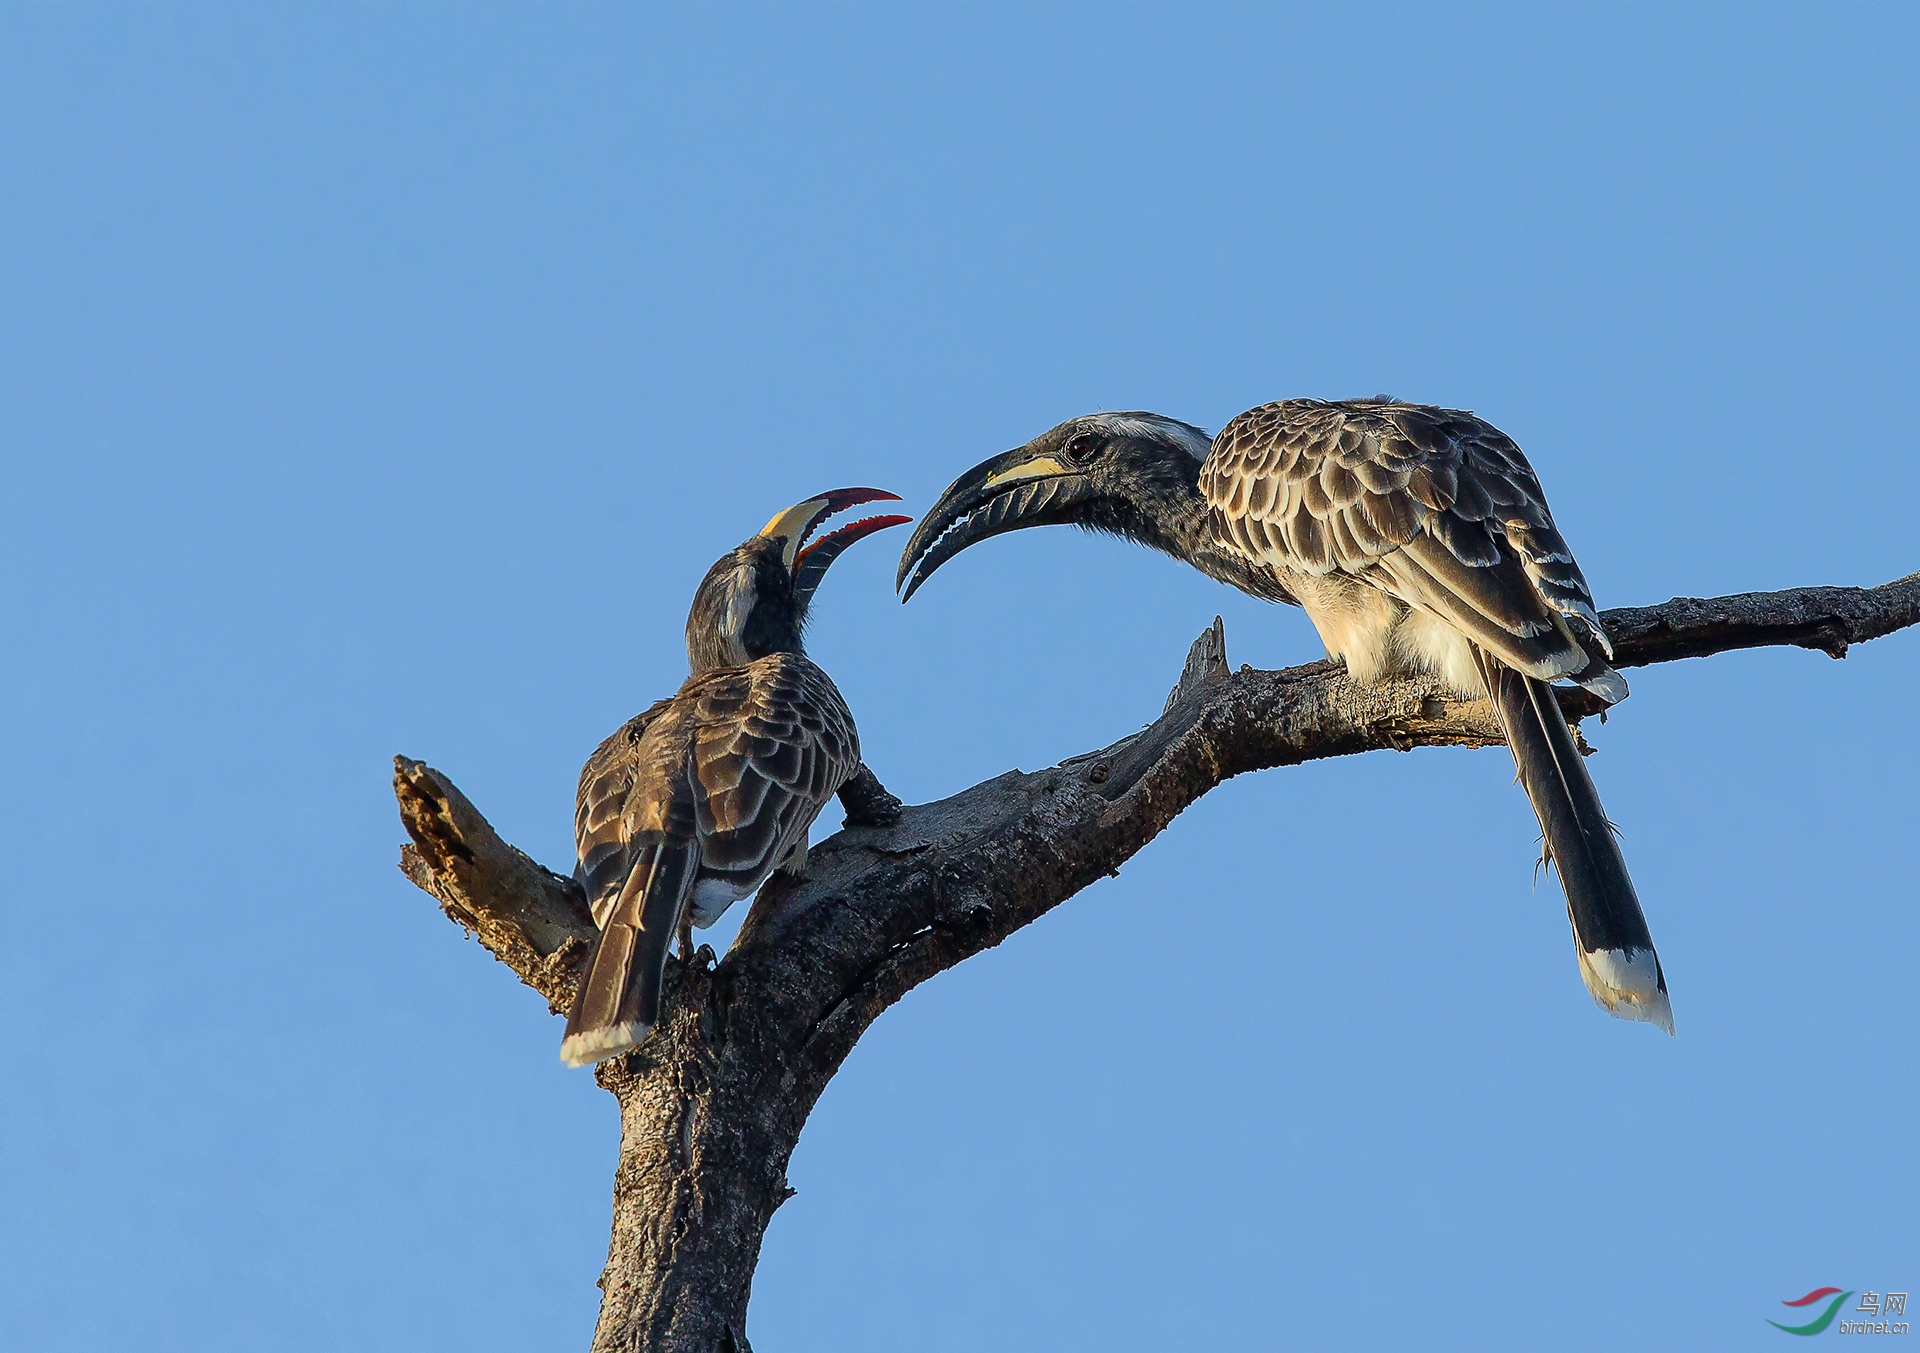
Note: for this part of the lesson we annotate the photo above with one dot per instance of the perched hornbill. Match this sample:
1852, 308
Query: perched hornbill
691, 805
1416, 539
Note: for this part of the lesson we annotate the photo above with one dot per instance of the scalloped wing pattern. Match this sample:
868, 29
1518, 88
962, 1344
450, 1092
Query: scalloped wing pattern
1433, 506
739, 764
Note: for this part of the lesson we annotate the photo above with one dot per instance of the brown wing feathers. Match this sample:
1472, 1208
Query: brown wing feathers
1441, 510
767, 756
703, 795
1427, 498
600, 830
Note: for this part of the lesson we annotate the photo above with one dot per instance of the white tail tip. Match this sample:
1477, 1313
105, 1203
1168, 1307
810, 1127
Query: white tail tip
1626, 984
597, 1045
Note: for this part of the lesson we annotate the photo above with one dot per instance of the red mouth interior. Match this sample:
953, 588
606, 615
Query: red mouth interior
849, 533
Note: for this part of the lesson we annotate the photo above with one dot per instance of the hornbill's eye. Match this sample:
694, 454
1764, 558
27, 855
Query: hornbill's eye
1083, 448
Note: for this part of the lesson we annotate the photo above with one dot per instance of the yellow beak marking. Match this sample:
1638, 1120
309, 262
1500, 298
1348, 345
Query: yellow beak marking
1037, 468
793, 524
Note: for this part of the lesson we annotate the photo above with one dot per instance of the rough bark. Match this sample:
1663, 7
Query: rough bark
712, 1105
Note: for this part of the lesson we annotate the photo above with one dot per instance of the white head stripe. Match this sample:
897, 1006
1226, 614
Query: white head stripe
1164, 429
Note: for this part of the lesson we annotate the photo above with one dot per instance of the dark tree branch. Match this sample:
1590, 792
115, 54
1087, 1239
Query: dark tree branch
712, 1104
867, 802
1827, 618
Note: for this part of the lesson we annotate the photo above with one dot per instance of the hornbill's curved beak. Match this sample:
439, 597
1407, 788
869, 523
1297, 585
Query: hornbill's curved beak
1024, 487
809, 562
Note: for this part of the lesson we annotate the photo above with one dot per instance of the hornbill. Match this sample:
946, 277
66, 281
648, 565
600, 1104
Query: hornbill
1416, 539
691, 805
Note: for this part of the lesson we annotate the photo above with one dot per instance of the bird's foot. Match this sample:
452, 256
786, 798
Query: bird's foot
686, 939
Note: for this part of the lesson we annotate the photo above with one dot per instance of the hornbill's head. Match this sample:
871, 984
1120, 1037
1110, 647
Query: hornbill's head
1133, 474
754, 599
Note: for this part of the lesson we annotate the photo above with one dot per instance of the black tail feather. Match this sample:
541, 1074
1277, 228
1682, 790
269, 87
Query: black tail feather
619, 1001
1611, 939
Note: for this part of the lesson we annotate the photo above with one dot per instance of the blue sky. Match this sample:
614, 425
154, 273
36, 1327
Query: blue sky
383, 379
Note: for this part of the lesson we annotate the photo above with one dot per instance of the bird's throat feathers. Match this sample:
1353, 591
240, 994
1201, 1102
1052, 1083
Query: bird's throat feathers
1145, 486
1167, 513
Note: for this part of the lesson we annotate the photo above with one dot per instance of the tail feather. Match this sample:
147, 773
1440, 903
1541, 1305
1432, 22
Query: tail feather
619, 1001
1610, 935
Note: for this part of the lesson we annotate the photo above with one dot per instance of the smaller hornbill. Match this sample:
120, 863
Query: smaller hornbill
691, 805
1417, 540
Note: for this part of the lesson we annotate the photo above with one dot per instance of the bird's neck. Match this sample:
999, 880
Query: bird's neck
710, 653
740, 620
1175, 523
715, 652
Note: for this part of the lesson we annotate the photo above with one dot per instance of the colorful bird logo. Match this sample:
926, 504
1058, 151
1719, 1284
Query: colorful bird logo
1825, 1318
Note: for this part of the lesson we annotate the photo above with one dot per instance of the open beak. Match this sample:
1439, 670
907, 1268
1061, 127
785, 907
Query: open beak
1021, 488
809, 562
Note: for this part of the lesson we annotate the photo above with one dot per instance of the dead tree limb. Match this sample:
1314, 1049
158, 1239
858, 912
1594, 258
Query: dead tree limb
712, 1105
